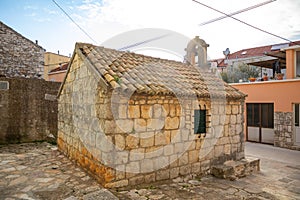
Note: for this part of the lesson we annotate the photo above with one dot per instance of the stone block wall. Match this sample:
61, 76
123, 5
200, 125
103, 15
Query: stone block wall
28, 110
19, 57
283, 128
129, 139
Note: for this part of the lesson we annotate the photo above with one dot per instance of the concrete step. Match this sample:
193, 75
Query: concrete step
236, 169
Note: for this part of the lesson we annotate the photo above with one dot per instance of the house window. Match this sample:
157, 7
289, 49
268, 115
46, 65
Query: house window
297, 63
4, 85
200, 121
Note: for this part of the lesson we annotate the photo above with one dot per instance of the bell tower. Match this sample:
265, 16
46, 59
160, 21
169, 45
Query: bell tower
196, 52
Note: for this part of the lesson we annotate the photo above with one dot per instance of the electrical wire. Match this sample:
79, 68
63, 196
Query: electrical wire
252, 26
143, 42
74, 21
237, 12
120, 49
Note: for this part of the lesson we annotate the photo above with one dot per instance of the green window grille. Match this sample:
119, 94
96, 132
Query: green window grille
200, 121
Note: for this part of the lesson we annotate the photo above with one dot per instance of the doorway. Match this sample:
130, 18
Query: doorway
260, 122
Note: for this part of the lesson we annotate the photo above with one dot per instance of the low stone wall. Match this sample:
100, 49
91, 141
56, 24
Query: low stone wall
28, 110
283, 129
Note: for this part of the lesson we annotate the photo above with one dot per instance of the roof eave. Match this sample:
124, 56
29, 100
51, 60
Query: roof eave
295, 47
87, 62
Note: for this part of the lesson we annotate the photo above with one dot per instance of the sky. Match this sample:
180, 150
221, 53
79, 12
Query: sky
42, 20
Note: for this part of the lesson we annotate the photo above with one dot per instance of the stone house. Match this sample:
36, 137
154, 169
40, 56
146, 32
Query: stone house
130, 119
19, 56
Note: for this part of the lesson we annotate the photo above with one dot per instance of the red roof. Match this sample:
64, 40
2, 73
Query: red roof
222, 64
251, 52
219, 61
257, 51
60, 68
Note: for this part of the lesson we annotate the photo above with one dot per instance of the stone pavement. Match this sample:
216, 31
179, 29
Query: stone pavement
39, 171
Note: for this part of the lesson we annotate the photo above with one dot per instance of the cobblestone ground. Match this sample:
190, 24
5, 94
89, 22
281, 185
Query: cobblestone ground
39, 171
254, 188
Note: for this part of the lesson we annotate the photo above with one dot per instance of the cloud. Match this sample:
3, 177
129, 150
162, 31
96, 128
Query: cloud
30, 7
111, 17
295, 35
50, 12
33, 14
42, 19
39, 15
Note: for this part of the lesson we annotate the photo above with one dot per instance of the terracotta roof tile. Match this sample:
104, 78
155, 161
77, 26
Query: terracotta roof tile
145, 74
60, 68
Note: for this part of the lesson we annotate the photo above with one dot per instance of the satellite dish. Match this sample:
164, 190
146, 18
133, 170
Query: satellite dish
226, 52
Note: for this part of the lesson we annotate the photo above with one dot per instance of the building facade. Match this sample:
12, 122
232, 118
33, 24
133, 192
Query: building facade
19, 57
54, 62
58, 74
272, 105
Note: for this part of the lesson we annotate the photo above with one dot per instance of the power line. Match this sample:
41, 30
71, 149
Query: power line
74, 21
143, 42
237, 12
252, 26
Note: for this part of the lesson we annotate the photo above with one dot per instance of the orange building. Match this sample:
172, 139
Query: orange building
272, 106
58, 74
53, 61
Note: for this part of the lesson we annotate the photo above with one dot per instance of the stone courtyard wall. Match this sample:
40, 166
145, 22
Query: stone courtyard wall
145, 138
284, 133
28, 110
19, 57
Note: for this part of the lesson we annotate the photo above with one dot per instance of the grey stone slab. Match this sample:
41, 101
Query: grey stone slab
101, 195
294, 176
253, 189
295, 190
71, 198
285, 180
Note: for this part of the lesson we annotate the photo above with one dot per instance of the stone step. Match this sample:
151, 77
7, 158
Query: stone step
295, 148
236, 169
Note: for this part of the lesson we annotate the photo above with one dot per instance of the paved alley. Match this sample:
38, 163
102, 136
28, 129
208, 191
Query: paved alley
39, 171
